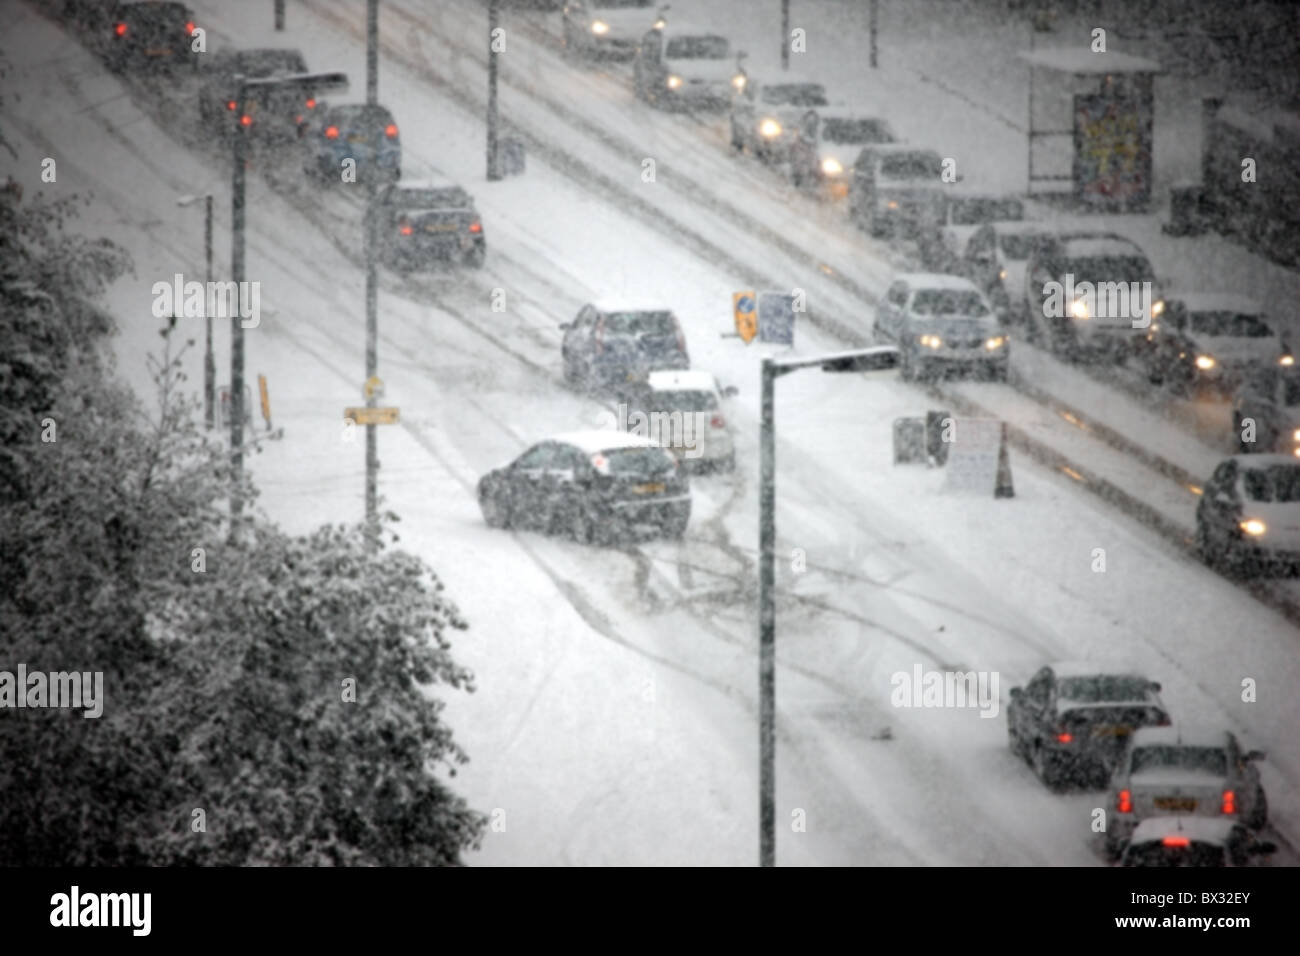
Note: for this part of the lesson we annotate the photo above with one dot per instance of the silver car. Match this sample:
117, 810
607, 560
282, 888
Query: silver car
942, 322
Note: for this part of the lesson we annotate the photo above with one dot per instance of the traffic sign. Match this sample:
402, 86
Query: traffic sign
776, 318
373, 387
744, 306
371, 416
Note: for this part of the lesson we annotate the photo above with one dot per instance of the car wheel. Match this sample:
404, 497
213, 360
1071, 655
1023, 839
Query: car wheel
1016, 744
476, 256
1045, 769
1259, 815
1205, 545
495, 514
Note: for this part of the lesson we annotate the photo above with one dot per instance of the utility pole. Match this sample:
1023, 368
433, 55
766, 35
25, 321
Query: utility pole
785, 34
237, 184
209, 363
767, 622
372, 365
279, 14
872, 20
372, 52
493, 167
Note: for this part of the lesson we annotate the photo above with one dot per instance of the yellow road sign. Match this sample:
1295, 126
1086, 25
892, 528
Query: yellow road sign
745, 307
266, 399
372, 416
373, 387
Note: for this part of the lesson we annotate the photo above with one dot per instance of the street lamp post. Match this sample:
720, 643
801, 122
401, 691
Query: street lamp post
209, 362
785, 34
858, 360
493, 164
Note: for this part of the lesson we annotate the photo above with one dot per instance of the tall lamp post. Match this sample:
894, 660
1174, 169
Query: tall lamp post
859, 360
209, 363
493, 159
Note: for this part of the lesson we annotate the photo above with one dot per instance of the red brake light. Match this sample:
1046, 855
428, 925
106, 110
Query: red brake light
405, 228
1229, 802
245, 120
331, 132
120, 29
1176, 841
231, 105
476, 226
391, 130
311, 103
1124, 802
189, 28
717, 421
1064, 737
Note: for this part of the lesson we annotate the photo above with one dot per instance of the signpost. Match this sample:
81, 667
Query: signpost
371, 415
745, 309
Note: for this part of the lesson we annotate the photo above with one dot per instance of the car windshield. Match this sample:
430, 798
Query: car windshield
637, 462
266, 62
360, 116
911, 166
451, 197
137, 14
794, 94
1103, 687
640, 323
1209, 760
1157, 854
697, 48
1018, 245
850, 131
1241, 325
1118, 268
948, 302
694, 401
1276, 484
974, 212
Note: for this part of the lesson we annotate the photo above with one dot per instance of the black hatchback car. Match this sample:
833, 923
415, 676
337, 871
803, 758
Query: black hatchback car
1071, 722
149, 36
596, 486
618, 346
364, 133
422, 221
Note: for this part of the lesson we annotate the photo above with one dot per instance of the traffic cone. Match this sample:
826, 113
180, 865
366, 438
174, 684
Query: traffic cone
1004, 488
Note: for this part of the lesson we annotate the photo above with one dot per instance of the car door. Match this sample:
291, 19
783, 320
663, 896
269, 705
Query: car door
528, 505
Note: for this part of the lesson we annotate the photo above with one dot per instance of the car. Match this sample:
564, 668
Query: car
682, 410
943, 242
422, 221
276, 117
1168, 357
1194, 841
606, 28
1229, 336
765, 115
362, 132
828, 144
600, 486
150, 35
683, 67
941, 322
611, 344
894, 188
1269, 400
1190, 772
1248, 515
996, 258
1126, 300
1070, 722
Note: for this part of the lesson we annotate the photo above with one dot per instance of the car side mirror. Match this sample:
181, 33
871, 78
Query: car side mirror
1155, 686
1255, 755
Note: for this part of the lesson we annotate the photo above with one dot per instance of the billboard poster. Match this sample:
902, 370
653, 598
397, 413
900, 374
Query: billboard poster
1112, 151
776, 318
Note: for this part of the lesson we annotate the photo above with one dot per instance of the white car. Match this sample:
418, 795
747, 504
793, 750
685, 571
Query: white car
683, 411
765, 115
996, 258
829, 142
1229, 333
607, 28
941, 322
681, 67
1191, 773
1248, 516
964, 212
1194, 841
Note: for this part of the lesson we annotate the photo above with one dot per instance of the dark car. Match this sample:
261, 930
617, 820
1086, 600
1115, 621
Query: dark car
1248, 516
420, 222
597, 486
1194, 842
364, 133
1071, 721
610, 344
1269, 399
272, 115
607, 28
150, 35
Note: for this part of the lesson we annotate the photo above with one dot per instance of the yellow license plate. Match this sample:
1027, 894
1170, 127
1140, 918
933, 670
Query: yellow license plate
441, 227
1111, 731
653, 488
1186, 804
357, 138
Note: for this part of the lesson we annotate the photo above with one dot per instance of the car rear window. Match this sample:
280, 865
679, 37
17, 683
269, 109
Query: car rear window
695, 401
697, 48
1239, 325
1157, 854
637, 462
974, 212
266, 62
1093, 690
449, 198
911, 166
147, 13
794, 94
361, 116
837, 130
948, 302
640, 323
1211, 760
1277, 484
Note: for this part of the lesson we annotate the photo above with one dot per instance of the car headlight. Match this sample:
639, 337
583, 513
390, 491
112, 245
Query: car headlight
738, 81
1253, 527
892, 204
1157, 307
932, 341
995, 343
599, 27
1080, 309
1205, 362
769, 128
1002, 273
660, 23
1295, 436
674, 82
1286, 360
831, 166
